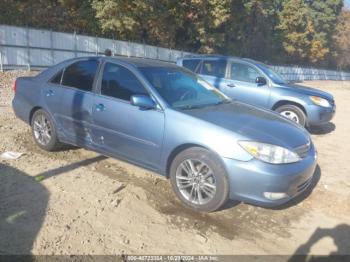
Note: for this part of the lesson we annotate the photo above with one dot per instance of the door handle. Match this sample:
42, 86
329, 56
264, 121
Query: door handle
100, 107
49, 93
231, 85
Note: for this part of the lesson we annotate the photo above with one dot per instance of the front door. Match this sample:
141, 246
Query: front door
120, 128
241, 85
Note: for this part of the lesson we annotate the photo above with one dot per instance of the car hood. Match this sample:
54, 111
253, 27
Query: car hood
307, 91
253, 123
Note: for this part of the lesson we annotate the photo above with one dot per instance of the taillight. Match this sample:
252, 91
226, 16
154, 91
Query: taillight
14, 87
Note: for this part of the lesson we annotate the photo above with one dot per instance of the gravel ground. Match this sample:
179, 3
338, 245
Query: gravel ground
78, 202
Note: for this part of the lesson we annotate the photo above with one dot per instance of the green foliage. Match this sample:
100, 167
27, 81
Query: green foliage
39, 178
60, 15
342, 40
297, 29
306, 28
276, 31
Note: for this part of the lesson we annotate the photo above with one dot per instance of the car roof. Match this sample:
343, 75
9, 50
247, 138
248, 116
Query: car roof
132, 61
139, 62
223, 57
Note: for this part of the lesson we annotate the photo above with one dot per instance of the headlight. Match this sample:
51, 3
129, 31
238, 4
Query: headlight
269, 153
320, 101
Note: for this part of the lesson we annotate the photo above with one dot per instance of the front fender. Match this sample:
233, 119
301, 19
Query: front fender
181, 132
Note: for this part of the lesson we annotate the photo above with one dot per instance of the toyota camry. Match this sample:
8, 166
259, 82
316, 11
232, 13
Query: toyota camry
166, 119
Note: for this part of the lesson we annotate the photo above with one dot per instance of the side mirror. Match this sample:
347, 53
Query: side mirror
142, 101
261, 81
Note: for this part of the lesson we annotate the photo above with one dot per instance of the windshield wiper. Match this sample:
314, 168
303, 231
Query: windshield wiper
225, 101
189, 107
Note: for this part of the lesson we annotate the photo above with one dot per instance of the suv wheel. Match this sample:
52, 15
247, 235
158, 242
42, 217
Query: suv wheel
294, 113
199, 179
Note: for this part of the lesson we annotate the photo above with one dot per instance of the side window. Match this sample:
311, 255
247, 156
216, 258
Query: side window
191, 64
80, 74
243, 72
119, 82
57, 78
214, 68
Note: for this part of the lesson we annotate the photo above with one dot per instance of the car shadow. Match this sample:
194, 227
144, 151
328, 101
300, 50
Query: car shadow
229, 204
23, 203
340, 236
322, 130
67, 168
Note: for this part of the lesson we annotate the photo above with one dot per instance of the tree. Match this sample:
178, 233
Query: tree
189, 23
306, 28
342, 40
297, 29
60, 15
325, 15
250, 31
275, 31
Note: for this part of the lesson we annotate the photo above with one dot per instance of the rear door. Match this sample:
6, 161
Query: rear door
77, 100
214, 71
120, 128
52, 95
241, 84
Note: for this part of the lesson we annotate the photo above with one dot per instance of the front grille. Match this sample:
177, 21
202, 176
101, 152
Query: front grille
303, 150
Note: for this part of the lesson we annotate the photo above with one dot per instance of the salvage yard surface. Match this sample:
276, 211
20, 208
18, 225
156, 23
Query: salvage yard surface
79, 202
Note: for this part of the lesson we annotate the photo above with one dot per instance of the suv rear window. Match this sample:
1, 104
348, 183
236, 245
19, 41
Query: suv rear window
191, 64
214, 68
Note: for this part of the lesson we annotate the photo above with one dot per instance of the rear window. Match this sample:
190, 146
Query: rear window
80, 74
214, 68
191, 64
57, 78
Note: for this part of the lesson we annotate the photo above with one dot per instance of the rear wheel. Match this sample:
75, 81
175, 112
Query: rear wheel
294, 113
199, 179
44, 132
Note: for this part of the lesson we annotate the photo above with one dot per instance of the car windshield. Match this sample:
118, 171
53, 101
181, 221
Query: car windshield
182, 89
275, 77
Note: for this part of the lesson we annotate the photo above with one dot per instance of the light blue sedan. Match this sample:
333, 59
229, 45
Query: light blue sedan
164, 118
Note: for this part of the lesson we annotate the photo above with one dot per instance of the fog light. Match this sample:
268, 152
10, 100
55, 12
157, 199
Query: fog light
274, 195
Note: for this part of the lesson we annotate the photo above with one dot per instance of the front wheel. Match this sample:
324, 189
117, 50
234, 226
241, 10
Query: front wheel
294, 113
199, 179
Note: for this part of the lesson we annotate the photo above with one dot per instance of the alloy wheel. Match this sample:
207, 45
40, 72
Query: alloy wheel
291, 115
42, 129
196, 181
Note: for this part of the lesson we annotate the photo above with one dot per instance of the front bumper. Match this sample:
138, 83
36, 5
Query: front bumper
318, 115
251, 179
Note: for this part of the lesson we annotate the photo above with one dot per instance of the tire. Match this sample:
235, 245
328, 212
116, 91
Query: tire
46, 139
293, 113
205, 162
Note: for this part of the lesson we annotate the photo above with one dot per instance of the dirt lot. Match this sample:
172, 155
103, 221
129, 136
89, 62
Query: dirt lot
78, 202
